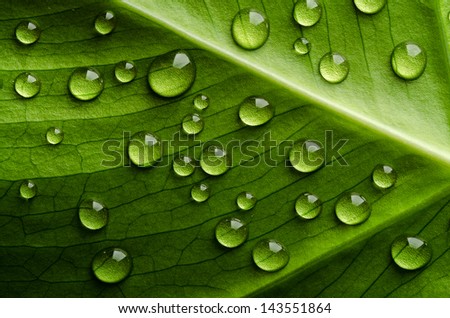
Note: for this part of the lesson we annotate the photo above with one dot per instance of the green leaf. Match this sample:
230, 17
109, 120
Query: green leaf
44, 250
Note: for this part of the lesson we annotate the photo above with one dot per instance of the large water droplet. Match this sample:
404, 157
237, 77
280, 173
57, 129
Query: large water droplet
334, 67
183, 166
172, 74
86, 83
408, 60
246, 201
192, 124
201, 101
307, 12
250, 29
308, 206
28, 189
214, 160
54, 135
111, 265
307, 155
27, 85
369, 6
231, 232
93, 214
125, 71
28, 32
270, 255
255, 111
410, 252
144, 149
302, 46
352, 208
384, 176
105, 22
200, 192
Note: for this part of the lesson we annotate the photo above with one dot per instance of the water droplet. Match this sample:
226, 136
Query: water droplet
93, 214
214, 160
369, 6
54, 135
408, 60
308, 206
144, 149
28, 32
86, 83
201, 102
302, 46
307, 155
246, 200
255, 111
105, 22
192, 124
28, 189
384, 176
111, 265
270, 255
231, 232
27, 85
250, 29
200, 192
352, 208
183, 166
410, 252
172, 74
125, 71
307, 12
334, 67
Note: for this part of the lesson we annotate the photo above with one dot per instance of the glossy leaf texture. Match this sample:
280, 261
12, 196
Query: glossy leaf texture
46, 252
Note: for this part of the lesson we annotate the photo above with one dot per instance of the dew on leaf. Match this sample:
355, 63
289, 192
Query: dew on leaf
307, 155
231, 232
250, 29
370, 6
28, 32
111, 265
200, 192
302, 46
201, 102
86, 83
192, 124
183, 165
352, 208
27, 85
93, 214
28, 189
255, 111
308, 206
246, 201
270, 255
125, 71
54, 135
105, 22
408, 60
307, 12
214, 160
410, 252
334, 67
384, 176
172, 74
144, 149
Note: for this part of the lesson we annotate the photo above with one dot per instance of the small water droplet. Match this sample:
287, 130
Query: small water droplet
352, 208
28, 32
250, 29
384, 176
308, 206
270, 255
302, 46
86, 83
369, 6
172, 74
54, 135
246, 201
28, 189
255, 111
231, 232
27, 85
410, 252
105, 22
183, 166
111, 265
192, 124
334, 67
307, 155
214, 160
125, 71
93, 214
307, 12
201, 101
408, 60
200, 192
144, 149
